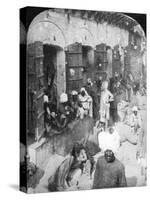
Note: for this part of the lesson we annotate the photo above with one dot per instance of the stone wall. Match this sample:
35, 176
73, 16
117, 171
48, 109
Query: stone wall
61, 29
67, 31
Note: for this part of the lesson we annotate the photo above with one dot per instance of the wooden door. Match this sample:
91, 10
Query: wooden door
74, 68
35, 89
101, 61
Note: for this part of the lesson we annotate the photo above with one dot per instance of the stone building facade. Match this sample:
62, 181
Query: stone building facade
69, 46
76, 45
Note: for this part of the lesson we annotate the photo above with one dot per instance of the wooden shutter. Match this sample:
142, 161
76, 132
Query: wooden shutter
35, 89
116, 61
101, 61
74, 68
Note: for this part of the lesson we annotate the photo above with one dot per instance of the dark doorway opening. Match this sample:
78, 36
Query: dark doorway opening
50, 71
85, 56
88, 60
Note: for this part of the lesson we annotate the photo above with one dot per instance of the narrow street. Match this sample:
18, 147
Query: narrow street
134, 169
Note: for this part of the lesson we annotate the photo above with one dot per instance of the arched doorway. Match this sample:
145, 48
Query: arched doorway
53, 63
46, 69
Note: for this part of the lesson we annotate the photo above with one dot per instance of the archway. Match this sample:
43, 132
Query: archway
87, 41
54, 71
46, 68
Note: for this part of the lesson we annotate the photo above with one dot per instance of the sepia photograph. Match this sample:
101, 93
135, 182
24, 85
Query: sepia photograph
85, 80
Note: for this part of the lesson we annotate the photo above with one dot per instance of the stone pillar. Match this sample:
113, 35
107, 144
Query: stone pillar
109, 66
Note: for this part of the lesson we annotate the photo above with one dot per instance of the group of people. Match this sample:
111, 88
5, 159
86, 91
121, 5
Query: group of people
106, 102
108, 171
92, 100
99, 100
70, 107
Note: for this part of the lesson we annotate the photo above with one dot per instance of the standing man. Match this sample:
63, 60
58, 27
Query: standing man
91, 90
136, 125
106, 98
109, 172
98, 86
99, 83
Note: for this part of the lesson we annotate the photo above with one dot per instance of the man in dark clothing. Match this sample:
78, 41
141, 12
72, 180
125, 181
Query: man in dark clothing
109, 172
64, 111
74, 101
91, 90
99, 83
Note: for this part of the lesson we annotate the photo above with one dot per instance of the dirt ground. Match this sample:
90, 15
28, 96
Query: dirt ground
135, 170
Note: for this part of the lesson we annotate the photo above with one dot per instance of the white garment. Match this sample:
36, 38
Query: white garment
122, 107
135, 120
106, 97
109, 141
80, 113
63, 98
86, 102
45, 98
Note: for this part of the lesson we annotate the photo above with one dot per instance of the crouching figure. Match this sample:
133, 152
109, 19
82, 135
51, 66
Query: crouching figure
70, 170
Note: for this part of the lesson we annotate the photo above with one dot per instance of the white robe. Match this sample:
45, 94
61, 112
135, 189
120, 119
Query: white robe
87, 103
106, 96
109, 141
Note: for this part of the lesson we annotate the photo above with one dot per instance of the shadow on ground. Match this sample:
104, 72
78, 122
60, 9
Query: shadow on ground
132, 181
14, 187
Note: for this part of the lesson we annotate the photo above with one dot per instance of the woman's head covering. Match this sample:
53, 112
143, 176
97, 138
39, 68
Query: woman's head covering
84, 90
63, 98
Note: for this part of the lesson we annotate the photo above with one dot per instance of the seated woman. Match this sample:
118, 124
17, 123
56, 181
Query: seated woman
70, 170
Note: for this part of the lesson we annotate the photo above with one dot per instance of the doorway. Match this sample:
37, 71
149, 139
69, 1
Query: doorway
54, 71
50, 71
88, 62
